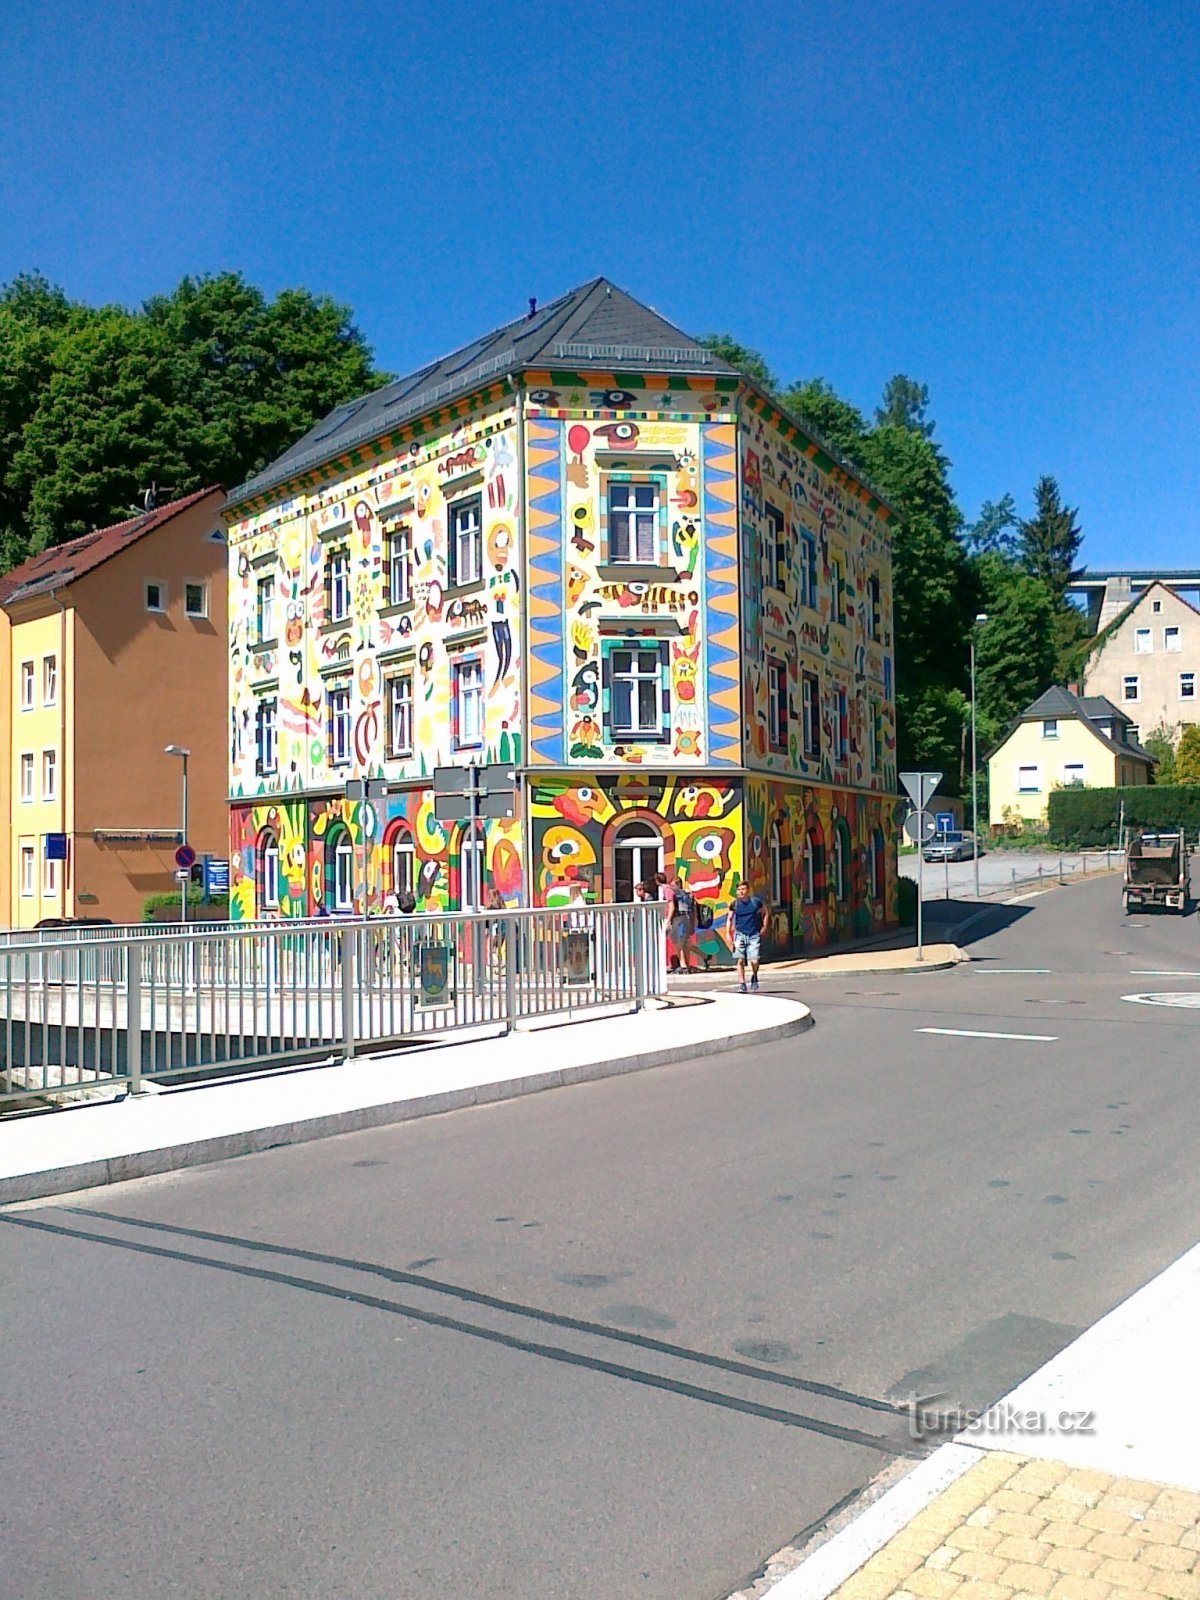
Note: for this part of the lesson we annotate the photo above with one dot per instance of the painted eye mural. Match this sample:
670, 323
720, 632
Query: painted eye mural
545, 397
620, 435
613, 399
423, 497
706, 858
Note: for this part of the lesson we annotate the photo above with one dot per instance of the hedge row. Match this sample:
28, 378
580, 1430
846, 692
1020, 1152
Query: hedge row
1089, 818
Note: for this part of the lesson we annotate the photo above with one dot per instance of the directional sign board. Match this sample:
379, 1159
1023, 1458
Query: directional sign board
185, 858
944, 821
919, 826
216, 875
460, 793
922, 786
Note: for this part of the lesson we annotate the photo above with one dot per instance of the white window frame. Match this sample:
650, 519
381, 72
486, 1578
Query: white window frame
28, 871
49, 681
343, 873
777, 704
776, 544
190, 611
398, 698
810, 871
1143, 641
159, 610
841, 724
1127, 698
28, 685
1133, 734
633, 523
264, 608
50, 769
1187, 685
404, 850
467, 693
1025, 788
1173, 640
337, 578
266, 736
27, 777
809, 586
338, 724
837, 589
810, 714
778, 886
49, 878
269, 870
1049, 727
399, 565
1074, 775
464, 536
635, 676
875, 601
472, 867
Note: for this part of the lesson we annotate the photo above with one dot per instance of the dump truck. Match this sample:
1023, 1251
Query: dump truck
1156, 872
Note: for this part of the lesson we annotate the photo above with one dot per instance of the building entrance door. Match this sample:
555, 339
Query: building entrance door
637, 856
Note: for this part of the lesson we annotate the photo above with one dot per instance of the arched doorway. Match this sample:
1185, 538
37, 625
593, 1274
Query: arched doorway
399, 859
471, 867
637, 856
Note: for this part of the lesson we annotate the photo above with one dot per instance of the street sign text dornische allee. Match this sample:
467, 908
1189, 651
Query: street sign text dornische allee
921, 787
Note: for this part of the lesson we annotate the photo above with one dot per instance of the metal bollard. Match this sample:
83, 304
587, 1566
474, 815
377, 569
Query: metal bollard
1061, 879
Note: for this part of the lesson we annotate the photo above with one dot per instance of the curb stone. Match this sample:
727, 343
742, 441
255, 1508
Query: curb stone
251, 1141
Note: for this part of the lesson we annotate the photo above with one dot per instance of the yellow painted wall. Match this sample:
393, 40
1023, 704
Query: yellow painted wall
1076, 742
33, 638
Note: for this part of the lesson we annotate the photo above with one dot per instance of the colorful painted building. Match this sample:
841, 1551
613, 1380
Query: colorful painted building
586, 550
111, 647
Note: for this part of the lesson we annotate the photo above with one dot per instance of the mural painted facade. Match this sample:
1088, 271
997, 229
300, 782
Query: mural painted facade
652, 596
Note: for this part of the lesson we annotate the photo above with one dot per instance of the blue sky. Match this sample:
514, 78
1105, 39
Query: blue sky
999, 200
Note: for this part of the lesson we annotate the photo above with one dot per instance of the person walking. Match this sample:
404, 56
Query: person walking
748, 916
681, 927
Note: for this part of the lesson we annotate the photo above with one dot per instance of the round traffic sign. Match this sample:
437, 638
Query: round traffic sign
919, 826
185, 857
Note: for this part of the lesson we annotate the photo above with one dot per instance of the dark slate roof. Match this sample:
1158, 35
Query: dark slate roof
1060, 702
61, 564
596, 325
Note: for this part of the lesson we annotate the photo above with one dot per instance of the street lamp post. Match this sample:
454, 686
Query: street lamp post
978, 623
178, 750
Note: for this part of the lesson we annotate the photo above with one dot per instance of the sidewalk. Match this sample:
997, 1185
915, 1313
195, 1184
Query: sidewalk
1082, 1484
865, 958
56, 1150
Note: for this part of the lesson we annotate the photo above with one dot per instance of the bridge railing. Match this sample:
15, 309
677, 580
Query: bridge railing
98, 1008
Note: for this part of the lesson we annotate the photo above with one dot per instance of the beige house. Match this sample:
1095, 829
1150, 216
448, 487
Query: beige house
1061, 739
1147, 662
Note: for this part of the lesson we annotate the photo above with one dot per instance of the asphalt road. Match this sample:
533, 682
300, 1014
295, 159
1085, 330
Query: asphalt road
623, 1339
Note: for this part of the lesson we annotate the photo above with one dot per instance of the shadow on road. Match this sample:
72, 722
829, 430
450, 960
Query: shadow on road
952, 919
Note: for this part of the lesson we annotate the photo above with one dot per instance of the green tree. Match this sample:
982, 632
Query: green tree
1051, 538
1158, 744
747, 361
1015, 649
904, 405
1187, 756
995, 528
204, 385
835, 421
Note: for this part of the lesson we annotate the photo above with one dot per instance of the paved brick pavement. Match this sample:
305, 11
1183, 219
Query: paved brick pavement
1015, 1528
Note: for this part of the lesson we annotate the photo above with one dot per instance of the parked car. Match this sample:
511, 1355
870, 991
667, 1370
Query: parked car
75, 922
953, 846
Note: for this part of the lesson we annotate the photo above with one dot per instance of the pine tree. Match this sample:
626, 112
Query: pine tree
1050, 540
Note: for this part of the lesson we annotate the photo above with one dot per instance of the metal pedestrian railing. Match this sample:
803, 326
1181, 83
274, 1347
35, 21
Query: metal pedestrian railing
161, 1003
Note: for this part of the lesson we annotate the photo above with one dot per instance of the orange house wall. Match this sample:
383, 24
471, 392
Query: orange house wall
143, 681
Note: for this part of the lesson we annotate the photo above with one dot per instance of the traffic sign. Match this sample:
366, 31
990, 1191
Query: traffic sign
461, 793
919, 826
944, 821
366, 788
921, 786
185, 857
215, 875
183, 875
456, 807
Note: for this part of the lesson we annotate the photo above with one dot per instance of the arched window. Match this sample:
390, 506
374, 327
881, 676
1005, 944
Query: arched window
400, 859
268, 870
637, 856
810, 870
779, 894
339, 870
471, 867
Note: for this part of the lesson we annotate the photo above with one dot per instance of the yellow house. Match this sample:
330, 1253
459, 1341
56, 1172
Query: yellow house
1060, 740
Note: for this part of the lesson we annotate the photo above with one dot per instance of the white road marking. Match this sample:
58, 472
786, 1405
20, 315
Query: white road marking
971, 1033
1151, 972
1033, 896
1189, 1002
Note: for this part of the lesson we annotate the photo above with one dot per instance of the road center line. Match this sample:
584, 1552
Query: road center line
971, 1033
